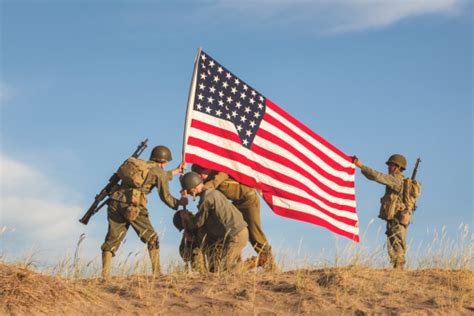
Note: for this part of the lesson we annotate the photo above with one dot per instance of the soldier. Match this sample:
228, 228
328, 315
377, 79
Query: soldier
247, 202
392, 208
219, 225
128, 204
190, 248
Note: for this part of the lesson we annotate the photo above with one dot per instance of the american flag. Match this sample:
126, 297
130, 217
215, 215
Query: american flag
232, 127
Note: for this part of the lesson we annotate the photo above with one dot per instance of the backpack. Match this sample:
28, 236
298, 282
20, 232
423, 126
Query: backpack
411, 192
133, 172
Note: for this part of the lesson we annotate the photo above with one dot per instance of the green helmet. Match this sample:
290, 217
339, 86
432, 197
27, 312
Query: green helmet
190, 180
177, 221
398, 160
161, 154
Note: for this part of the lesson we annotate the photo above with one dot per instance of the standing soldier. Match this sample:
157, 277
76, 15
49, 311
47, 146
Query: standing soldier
219, 225
392, 208
247, 202
128, 204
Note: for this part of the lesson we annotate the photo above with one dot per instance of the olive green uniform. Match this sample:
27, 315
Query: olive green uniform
390, 210
247, 202
191, 253
119, 202
221, 228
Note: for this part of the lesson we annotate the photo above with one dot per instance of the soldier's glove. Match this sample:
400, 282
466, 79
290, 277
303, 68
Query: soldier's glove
356, 161
183, 201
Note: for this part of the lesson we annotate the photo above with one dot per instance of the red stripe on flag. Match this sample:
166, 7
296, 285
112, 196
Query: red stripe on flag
303, 127
293, 197
278, 158
215, 130
331, 162
305, 217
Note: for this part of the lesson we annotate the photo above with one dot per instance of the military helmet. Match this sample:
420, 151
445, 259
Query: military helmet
161, 154
177, 221
398, 160
190, 180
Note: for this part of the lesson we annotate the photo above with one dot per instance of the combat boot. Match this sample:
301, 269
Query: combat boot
399, 265
155, 260
267, 261
271, 266
106, 263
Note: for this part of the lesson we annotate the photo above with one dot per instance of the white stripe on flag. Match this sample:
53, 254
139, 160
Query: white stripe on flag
275, 148
304, 208
272, 129
330, 153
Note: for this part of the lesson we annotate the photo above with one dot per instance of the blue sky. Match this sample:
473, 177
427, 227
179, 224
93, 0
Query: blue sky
82, 83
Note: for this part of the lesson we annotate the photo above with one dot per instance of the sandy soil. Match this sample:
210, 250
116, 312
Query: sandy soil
335, 291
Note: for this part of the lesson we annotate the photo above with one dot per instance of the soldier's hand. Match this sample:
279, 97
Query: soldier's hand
183, 201
182, 167
357, 162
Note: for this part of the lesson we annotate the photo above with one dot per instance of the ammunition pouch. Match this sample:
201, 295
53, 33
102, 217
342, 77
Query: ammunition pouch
131, 213
404, 217
388, 206
135, 197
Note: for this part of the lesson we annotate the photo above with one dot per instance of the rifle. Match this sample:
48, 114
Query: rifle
415, 170
413, 178
107, 190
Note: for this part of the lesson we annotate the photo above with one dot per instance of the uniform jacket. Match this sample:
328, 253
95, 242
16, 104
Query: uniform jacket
216, 217
157, 177
391, 201
233, 190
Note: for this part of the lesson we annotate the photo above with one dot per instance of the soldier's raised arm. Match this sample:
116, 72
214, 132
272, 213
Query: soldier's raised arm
162, 155
393, 182
216, 180
164, 191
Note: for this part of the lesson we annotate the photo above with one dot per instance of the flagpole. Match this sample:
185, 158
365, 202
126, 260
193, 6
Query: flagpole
191, 94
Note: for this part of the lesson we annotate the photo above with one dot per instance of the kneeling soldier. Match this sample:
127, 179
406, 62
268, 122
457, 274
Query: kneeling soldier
190, 248
218, 224
247, 202
128, 204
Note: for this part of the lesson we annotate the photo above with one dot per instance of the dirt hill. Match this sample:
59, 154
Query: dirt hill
335, 291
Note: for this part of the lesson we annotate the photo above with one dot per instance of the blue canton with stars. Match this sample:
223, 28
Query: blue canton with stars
221, 94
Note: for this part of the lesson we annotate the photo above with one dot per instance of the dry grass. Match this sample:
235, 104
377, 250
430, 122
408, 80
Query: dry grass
439, 281
343, 291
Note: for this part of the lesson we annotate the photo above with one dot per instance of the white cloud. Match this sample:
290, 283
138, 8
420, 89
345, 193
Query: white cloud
340, 15
34, 206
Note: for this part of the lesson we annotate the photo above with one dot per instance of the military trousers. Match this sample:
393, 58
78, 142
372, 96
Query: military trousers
224, 255
396, 242
192, 254
250, 209
118, 227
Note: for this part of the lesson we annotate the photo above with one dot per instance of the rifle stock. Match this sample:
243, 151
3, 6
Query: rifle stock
113, 181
